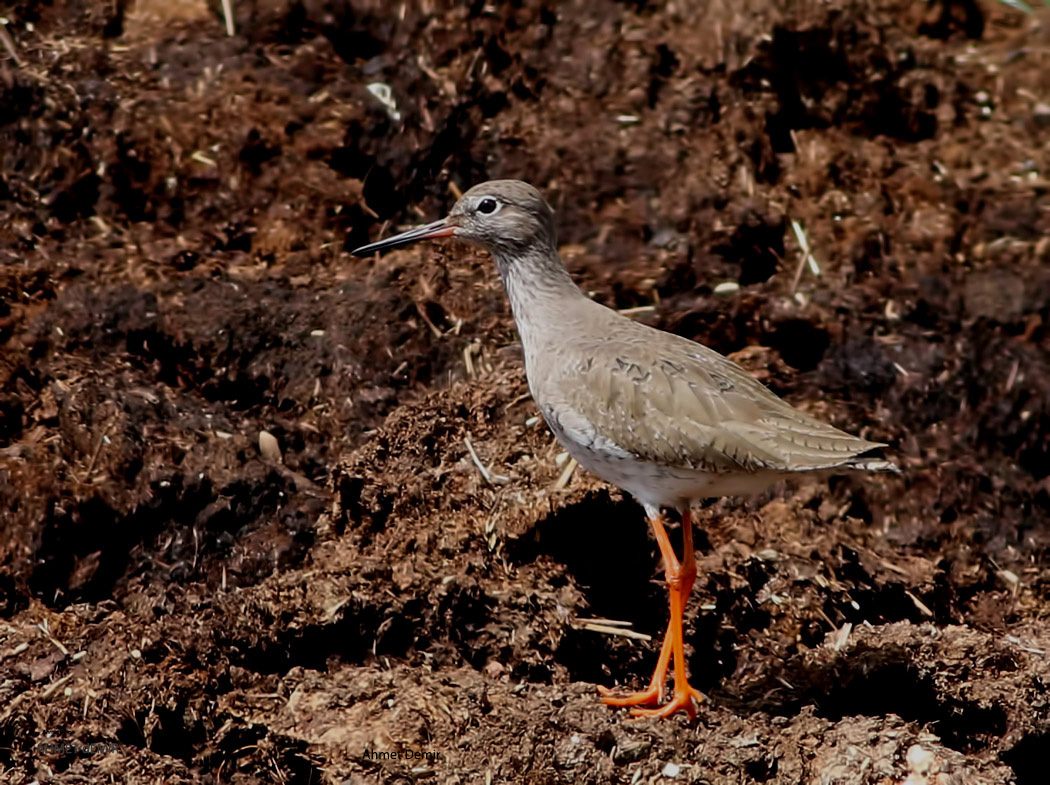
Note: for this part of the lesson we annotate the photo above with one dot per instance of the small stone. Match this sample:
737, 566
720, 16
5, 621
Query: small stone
1041, 114
920, 759
269, 447
671, 770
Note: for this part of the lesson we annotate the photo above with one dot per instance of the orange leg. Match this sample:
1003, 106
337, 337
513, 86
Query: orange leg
655, 692
680, 577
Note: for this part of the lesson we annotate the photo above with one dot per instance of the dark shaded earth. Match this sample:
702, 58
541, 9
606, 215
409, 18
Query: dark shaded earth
242, 536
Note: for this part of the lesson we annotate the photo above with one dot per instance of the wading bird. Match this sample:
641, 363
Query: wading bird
662, 417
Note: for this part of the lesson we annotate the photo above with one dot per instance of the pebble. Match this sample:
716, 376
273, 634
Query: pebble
920, 759
1041, 113
269, 447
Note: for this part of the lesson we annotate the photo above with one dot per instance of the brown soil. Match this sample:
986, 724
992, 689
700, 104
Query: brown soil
176, 211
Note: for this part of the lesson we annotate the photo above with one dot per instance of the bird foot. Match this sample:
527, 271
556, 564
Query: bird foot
680, 581
685, 698
649, 697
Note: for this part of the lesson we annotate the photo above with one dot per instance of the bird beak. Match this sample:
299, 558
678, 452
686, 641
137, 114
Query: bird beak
442, 228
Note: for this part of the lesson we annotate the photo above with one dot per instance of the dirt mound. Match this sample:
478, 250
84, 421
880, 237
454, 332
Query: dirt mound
271, 513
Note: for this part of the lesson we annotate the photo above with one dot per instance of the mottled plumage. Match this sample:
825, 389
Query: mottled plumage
619, 393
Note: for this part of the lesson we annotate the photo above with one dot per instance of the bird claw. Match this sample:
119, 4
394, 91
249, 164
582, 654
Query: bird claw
685, 698
649, 697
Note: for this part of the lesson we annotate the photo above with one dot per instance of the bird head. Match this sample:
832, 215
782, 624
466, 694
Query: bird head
504, 216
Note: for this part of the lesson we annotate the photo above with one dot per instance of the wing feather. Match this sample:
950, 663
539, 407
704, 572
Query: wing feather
677, 403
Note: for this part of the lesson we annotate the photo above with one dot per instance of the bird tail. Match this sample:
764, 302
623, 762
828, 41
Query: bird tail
870, 463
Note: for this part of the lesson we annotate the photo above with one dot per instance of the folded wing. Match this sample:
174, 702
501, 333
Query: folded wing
685, 406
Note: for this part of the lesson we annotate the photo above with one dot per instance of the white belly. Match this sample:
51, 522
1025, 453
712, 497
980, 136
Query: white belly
655, 485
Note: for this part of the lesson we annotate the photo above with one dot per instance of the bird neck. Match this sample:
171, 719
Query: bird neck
538, 287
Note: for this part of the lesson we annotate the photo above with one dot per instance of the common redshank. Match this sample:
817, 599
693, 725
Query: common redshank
666, 419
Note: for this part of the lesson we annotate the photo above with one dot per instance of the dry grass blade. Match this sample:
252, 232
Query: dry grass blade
468, 358
426, 319
606, 622
840, 636
227, 12
54, 687
607, 630
923, 608
807, 255
638, 310
489, 477
566, 475
57, 643
9, 44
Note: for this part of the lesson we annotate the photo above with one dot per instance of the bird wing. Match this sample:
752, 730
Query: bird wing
670, 401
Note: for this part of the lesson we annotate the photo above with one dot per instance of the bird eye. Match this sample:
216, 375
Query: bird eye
488, 206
